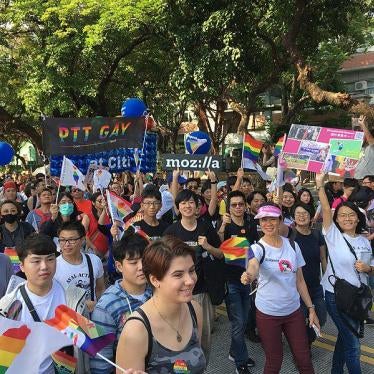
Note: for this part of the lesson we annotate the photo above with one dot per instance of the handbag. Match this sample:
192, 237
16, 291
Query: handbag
355, 302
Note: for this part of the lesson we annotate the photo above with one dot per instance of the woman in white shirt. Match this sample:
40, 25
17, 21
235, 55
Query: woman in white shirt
277, 263
346, 224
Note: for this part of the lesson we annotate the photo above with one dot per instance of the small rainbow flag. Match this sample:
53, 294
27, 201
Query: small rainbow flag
279, 145
235, 251
12, 342
142, 233
251, 147
64, 363
83, 332
12, 254
138, 217
118, 208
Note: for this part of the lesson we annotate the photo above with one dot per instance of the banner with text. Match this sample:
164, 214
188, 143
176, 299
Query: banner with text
191, 162
67, 136
116, 160
316, 148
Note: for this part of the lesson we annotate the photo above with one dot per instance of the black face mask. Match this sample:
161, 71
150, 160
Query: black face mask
10, 218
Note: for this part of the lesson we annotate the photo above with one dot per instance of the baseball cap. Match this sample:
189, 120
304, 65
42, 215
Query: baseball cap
221, 184
9, 184
268, 211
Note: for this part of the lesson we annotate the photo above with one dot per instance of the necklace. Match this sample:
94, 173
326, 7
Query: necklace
179, 336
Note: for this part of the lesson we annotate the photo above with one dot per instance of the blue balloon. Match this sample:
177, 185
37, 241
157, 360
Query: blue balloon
133, 107
6, 153
198, 142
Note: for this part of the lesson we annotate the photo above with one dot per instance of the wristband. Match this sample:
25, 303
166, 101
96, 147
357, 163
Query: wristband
311, 307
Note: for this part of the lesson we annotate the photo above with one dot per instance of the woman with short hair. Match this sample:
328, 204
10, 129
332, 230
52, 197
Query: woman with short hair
163, 335
277, 263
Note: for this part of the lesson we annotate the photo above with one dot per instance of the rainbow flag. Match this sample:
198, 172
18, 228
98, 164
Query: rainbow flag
12, 342
118, 208
142, 233
12, 254
64, 363
235, 251
83, 333
251, 147
279, 145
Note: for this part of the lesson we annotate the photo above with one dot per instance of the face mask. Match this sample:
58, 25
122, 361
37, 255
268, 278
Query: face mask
66, 209
10, 218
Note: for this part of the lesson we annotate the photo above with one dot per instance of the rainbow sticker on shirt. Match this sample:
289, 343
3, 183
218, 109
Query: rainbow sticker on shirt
285, 266
180, 367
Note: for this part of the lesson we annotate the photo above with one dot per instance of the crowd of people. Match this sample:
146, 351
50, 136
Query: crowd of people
155, 279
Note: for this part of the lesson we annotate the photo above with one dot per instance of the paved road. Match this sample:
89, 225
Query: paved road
321, 351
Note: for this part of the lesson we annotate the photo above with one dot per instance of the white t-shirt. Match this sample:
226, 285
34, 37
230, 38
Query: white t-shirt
342, 258
277, 293
78, 275
45, 306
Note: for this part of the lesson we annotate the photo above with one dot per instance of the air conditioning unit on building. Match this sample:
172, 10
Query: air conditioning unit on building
361, 85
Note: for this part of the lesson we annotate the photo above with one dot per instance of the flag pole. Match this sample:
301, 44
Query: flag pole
59, 181
241, 163
278, 166
110, 362
144, 137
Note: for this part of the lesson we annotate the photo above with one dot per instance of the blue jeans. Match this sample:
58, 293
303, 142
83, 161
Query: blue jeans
318, 301
238, 304
347, 346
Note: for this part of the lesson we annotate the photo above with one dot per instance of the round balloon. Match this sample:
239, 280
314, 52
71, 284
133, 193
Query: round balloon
133, 107
198, 142
6, 153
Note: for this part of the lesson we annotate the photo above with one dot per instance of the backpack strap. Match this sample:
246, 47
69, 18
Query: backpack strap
29, 304
147, 326
263, 252
92, 279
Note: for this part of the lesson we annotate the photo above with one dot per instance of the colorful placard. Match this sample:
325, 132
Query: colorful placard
12, 254
316, 148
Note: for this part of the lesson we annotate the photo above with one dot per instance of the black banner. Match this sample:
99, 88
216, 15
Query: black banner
191, 162
65, 136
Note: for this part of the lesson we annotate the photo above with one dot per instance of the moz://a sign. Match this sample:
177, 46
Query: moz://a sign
191, 162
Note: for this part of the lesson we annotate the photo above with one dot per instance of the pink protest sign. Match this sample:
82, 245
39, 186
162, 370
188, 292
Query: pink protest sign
312, 147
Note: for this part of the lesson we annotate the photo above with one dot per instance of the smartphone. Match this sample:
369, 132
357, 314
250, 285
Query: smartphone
317, 331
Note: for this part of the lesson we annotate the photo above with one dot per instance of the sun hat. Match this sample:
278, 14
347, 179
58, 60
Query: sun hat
268, 211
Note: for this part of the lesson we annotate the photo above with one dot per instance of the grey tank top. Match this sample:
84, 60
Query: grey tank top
162, 360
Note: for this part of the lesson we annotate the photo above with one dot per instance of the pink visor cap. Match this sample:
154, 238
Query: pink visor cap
268, 211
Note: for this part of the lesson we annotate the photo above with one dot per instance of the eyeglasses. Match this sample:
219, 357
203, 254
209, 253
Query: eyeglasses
75, 190
69, 241
347, 215
237, 205
151, 203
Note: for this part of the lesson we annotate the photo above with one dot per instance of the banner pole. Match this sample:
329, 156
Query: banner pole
241, 163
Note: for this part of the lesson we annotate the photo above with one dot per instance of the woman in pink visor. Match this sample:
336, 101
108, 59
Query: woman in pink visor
277, 262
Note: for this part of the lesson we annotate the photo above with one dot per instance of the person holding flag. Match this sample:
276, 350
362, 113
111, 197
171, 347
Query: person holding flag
37, 298
122, 298
238, 296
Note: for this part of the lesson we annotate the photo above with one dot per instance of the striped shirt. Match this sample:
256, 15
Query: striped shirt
111, 312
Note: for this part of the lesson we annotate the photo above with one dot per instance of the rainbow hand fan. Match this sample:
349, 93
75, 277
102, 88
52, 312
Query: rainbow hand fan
235, 251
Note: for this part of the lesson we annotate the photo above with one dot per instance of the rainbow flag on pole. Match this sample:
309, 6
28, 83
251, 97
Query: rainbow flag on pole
84, 334
12, 254
251, 148
118, 208
235, 251
279, 146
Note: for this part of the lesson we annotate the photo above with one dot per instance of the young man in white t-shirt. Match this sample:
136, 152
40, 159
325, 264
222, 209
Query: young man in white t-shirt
37, 254
73, 266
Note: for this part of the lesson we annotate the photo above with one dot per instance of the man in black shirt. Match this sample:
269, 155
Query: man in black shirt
204, 239
238, 297
150, 205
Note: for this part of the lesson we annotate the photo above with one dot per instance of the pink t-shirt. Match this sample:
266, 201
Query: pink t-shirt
338, 201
